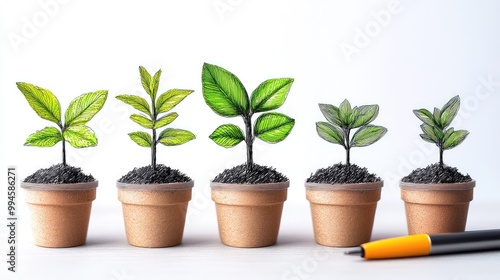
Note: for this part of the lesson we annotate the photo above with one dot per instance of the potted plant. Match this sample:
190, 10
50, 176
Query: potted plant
249, 197
60, 197
155, 197
343, 197
437, 197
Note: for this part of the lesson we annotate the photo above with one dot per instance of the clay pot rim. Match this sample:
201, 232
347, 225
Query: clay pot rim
60, 187
353, 186
438, 187
178, 186
249, 187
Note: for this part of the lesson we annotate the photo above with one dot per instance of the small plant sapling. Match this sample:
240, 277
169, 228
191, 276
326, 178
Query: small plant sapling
73, 129
437, 197
436, 128
342, 119
153, 115
225, 95
60, 197
325, 189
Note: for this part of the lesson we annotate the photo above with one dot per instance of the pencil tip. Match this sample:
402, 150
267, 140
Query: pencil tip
356, 251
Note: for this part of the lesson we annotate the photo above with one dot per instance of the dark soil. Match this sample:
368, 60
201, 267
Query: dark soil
434, 174
59, 174
343, 174
162, 175
259, 175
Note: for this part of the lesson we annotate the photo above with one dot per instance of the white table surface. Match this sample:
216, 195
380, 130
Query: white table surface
107, 255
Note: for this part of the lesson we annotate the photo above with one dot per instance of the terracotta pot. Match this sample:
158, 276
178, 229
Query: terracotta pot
436, 208
154, 214
248, 215
343, 214
60, 213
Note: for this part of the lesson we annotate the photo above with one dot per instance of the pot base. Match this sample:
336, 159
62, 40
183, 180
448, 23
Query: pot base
60, 219
249, 218
154, 218
343, 215
249, 227
438, 208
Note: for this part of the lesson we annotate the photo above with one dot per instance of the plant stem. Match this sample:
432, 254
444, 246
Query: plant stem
64, 152
441, 150
153, 140
153, 150
63, 144
249, 141
347, 133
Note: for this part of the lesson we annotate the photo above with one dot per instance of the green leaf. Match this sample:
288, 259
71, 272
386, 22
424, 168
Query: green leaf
331, 113
47, 137
367, 135
425, 116
330, 133
141, 138
137, 102
427, 138
223, 91
174, 137
227, 135
170, 99
366, 114
165, 120
80, 136
449, 111
439, 133
448, 133
146, 81
345, 112
142, 120
437, 118
353, 117
429, 131
155, 82
455, 139
270, 94
273, 127
43, 101
83, 108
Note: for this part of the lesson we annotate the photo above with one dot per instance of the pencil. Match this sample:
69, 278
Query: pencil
424, 245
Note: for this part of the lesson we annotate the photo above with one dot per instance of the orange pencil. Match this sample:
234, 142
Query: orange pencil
424, 245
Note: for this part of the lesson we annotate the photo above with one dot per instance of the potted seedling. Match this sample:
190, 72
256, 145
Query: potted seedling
343, 197
437, 197
155, 197
60, 197
249, 197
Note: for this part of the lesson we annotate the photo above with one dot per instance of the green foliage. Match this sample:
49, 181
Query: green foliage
436, 128
225, 95
227, 135
152, 114
83, 108
74, 130
175, 137
223, 92
46, 137
271, 94
43, 102
142, 139
273, 127
342, 119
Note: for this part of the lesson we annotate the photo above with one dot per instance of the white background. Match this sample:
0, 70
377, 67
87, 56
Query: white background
420, 55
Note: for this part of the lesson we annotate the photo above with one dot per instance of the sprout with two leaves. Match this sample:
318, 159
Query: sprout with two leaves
342, 119
435, 127
150, 117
